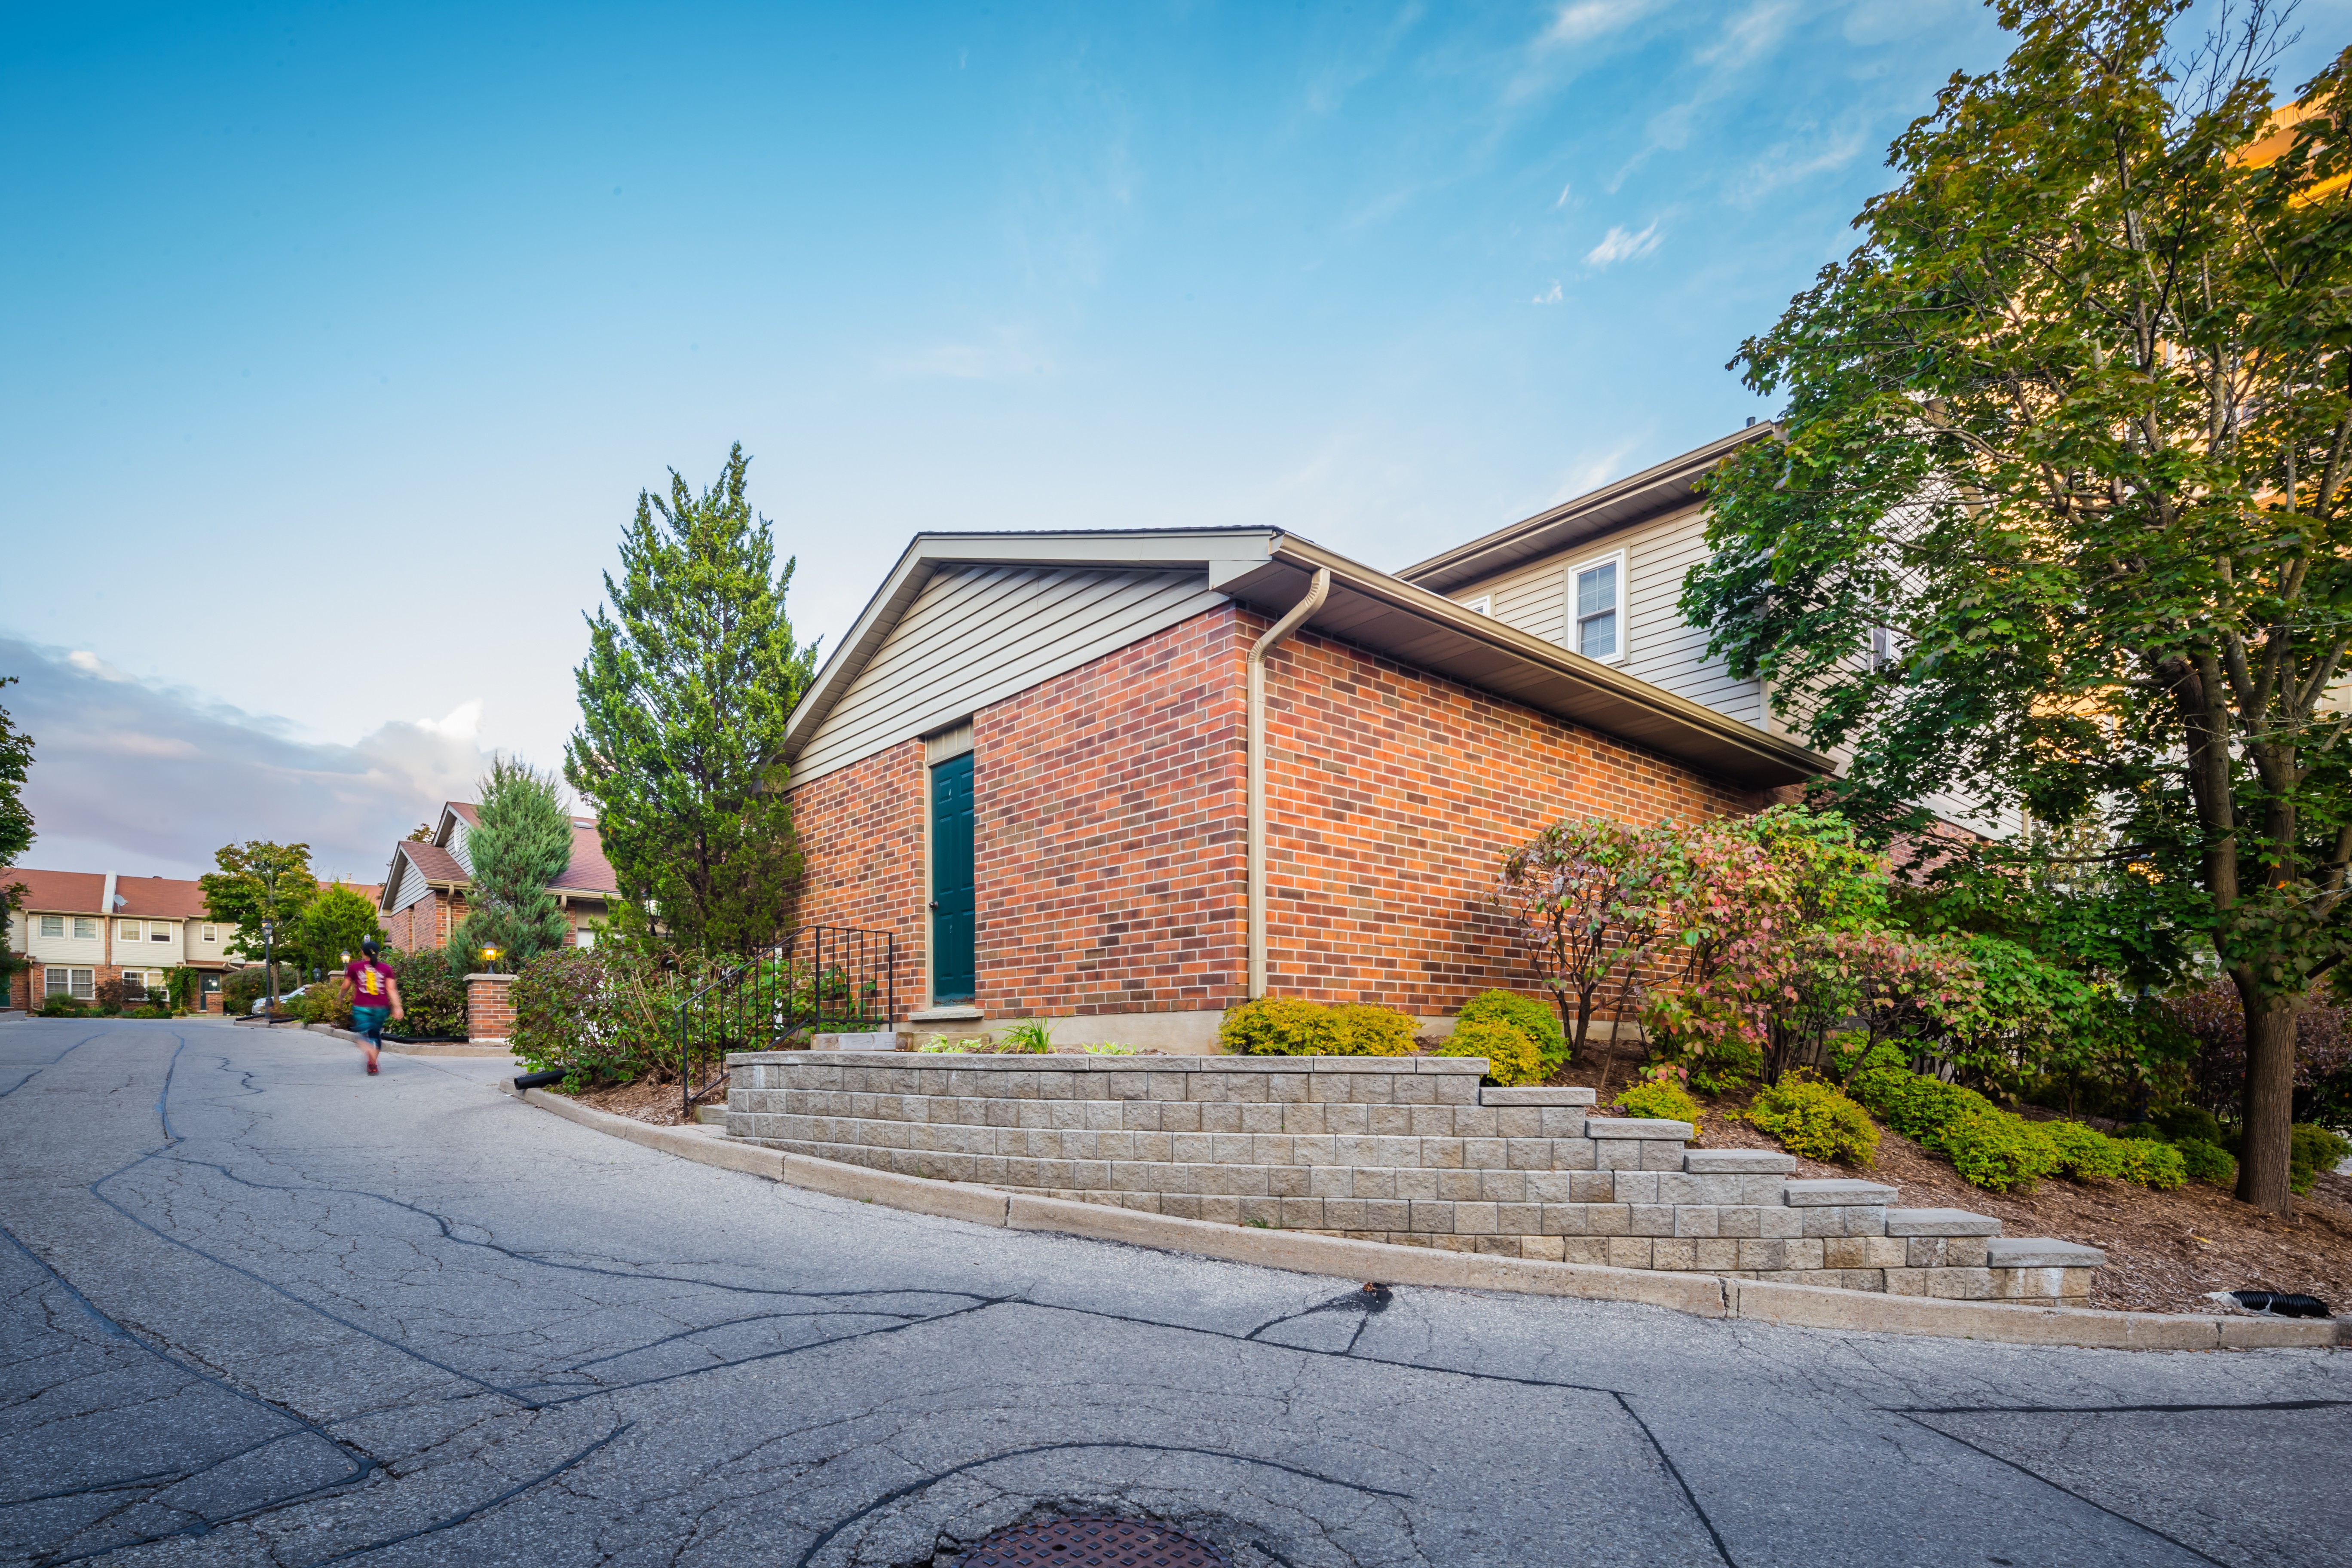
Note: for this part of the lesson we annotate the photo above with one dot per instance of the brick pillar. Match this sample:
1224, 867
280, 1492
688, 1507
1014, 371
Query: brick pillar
489, 1009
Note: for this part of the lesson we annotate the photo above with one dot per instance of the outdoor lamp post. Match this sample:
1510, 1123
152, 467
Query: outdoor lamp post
269, 970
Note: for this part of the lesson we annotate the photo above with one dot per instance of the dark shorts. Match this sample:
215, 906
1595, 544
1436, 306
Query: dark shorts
369, 1020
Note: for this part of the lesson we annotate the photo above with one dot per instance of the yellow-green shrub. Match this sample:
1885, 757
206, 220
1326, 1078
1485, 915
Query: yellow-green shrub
1280, 1027
1537, 1020
2206, 1162
1812, 1119
1662, 1099
1512, 1055
1365, 1030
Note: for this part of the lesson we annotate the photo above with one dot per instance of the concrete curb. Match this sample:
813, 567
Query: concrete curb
395, 1048
1700, 1295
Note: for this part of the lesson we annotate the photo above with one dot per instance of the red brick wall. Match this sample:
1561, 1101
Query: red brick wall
426, 923
861, 838
1392, 796
1107, 814
1107, 821
489, 1007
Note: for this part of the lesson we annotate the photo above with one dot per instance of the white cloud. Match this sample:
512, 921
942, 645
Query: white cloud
1581, 21
90, 664
1592, 473
1786, 162
1551, 298
135, 776
1563, 197
1618, 245
1752, 35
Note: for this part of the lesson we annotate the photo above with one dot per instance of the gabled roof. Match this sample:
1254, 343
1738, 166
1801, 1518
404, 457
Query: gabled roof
59, 892
1669, 487
1386, 615
589, 873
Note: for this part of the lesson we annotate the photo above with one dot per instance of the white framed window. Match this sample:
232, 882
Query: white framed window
77, 984
1596, 608
126, 931
1484, 604
134, 984
53, 925
86, 927
159, 931
212, 933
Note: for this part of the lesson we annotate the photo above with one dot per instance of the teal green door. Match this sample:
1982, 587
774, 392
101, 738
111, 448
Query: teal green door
955, 968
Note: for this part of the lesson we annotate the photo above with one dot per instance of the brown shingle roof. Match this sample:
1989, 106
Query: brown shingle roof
160, 898
59, 892
432, 863
589, 873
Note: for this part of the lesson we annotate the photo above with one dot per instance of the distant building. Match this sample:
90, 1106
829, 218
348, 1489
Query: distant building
426, 887
82, 928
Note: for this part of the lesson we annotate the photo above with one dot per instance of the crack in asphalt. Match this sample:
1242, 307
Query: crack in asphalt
478, 1508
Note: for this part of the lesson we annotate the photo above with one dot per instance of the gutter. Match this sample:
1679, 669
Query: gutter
1297, 617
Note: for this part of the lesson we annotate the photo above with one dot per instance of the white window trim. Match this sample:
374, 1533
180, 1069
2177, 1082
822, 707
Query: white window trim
1484, 604
57, 935
212, 933
96, 929
1624, 622
128, 930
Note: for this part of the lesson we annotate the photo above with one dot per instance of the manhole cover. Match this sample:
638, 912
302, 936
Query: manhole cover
1093, 1543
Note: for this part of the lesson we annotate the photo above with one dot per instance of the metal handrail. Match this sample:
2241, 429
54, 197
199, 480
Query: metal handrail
817, 977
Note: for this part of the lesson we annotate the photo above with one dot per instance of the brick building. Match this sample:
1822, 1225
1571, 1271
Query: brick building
422, 899
1029, 759
82, 929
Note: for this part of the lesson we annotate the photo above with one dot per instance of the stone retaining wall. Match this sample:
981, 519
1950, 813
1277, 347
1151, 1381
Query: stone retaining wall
1407, 1149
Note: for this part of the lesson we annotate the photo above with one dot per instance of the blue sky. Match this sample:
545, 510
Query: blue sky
339, 340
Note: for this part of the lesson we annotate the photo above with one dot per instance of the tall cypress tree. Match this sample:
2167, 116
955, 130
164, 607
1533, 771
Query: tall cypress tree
521, 841
691, 672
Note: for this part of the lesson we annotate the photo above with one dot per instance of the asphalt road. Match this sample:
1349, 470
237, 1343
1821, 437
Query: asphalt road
261, 1308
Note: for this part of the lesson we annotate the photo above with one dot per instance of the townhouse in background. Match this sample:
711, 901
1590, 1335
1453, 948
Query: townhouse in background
424, 889
82, 928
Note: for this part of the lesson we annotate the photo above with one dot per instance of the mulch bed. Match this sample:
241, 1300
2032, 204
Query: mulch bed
2166, 1251
645, 1101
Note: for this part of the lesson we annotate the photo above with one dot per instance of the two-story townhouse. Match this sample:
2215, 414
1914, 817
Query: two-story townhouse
80, 929
422, 899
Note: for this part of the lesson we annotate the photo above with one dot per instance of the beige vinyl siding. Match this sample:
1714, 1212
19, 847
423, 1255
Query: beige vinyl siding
977, 634
413, 886
1660, 648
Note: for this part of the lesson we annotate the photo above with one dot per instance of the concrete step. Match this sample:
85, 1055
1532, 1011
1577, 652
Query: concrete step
1636, 1127
1940, 1221
1838, 1193
1735, 1161
2040, 1252
711, 1115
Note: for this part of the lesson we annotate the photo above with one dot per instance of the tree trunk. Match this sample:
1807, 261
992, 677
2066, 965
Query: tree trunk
2269, 1105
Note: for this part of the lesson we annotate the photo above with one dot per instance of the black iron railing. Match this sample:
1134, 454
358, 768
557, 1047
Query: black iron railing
819, 980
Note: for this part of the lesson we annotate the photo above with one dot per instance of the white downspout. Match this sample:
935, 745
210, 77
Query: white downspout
1282, 628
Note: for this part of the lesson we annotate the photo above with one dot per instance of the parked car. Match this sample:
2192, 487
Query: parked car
261, 1003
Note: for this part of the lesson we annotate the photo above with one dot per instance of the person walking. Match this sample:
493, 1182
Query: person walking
375, 996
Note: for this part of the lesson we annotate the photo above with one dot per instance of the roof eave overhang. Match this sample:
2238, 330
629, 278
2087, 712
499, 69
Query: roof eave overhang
1431, 632
1654, 492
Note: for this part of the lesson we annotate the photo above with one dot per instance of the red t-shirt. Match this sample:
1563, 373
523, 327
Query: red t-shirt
371, 983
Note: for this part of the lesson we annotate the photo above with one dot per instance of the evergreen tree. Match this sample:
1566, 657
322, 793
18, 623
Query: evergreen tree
521, 841
15, 826
332, 926
691, 672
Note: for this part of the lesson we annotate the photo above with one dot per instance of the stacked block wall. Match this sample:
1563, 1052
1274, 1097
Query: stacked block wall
1405, 1150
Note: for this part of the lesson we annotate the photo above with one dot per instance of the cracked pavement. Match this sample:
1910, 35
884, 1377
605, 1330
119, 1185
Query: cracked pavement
263, 1310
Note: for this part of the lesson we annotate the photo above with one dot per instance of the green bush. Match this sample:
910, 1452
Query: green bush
1512, 1055
2206, 1162
326, 1001
1280, 1027
1726, 1065
1030, 1036
62, 1005
1813, 1119
1537, 1020
2181, 1122
1998, 1151
1365, 1030
1662, 1099
2145, 1162
596, 1013
2315, 1151
2083, 1150
432, 994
